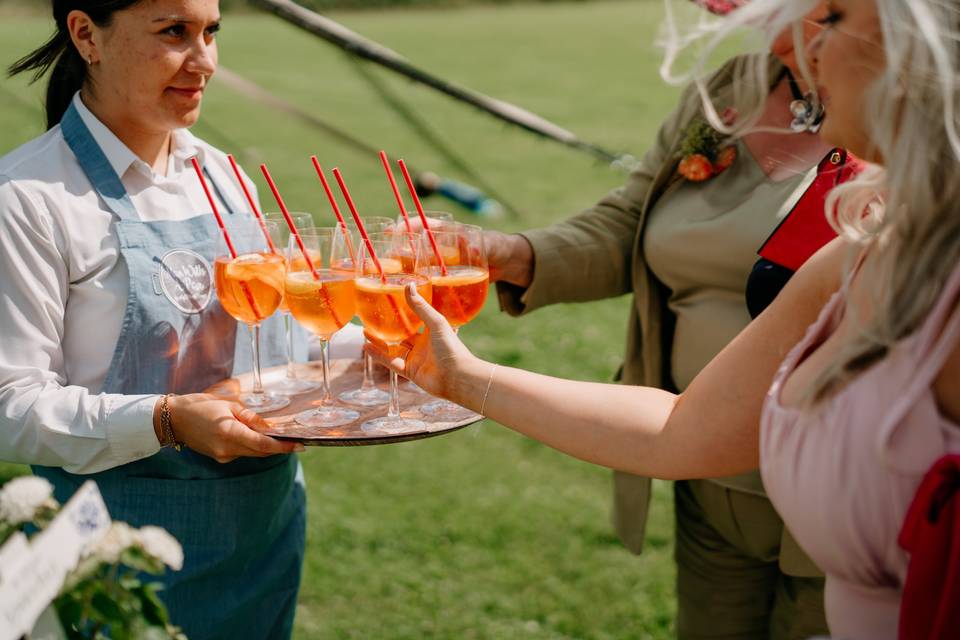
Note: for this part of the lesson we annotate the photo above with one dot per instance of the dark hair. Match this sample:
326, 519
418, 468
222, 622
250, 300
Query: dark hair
69, 68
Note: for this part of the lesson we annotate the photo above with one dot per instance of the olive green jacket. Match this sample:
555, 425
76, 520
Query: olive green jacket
599, 254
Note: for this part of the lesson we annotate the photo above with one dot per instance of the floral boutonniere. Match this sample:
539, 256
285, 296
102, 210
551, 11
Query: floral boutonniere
705, 152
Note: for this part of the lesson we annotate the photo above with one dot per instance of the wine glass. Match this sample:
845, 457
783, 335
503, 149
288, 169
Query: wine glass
434, 219
383, 308
290, 384
459, 288
322, 297
368, 395
250, 288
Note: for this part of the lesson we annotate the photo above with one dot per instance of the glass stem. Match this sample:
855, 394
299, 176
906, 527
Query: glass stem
255, 346
288, 328
367, 372
325, 357
394, 410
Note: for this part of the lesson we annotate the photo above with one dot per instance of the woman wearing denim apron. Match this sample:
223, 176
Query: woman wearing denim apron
110, 319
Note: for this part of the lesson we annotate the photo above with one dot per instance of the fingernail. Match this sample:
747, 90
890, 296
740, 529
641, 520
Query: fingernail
299, 448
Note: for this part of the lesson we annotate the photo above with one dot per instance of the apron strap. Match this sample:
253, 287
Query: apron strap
104, 179
218, 192
95, 164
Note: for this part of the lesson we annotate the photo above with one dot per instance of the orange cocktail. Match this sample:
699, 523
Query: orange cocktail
322, 299
383, 308
460, 288
290, 384
250, 286
451, 256
321, 305
461, 294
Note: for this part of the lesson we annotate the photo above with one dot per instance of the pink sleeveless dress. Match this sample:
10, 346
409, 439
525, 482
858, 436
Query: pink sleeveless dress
843, 477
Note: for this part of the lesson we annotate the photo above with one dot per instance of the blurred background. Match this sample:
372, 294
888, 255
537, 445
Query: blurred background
482, 533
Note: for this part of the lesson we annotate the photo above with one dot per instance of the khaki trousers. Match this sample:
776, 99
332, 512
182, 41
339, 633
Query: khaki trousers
729, 581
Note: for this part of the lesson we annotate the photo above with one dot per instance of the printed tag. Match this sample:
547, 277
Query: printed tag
186, 279
34, 575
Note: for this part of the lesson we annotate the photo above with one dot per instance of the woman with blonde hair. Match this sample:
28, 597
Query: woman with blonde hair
846, 390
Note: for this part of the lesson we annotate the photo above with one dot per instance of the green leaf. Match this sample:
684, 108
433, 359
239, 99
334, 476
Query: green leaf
154, 611
136, 558
108, 609
700, 137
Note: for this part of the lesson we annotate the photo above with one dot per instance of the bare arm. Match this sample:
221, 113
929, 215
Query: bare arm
711, 430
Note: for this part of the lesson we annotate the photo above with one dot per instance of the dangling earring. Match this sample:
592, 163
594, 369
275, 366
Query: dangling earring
807, 114
90, 60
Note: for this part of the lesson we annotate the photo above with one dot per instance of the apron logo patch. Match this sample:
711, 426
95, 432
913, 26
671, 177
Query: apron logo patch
186, 279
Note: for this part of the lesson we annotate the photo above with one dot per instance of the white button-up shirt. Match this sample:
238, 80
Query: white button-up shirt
63, 291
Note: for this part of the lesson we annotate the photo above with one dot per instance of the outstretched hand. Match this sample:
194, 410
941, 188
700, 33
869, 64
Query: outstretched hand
510, 257
431, 359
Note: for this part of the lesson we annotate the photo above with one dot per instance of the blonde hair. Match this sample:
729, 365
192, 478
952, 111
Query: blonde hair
908, 212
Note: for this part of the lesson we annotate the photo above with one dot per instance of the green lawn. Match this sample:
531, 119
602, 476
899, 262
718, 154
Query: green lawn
481, 534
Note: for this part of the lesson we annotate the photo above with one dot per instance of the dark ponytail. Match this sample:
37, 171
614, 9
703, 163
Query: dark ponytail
69, 68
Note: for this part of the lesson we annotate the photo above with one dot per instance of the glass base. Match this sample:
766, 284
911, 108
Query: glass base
292, 386
264, 402
445, 411
411, 387
371, 397
326, 417
391, 426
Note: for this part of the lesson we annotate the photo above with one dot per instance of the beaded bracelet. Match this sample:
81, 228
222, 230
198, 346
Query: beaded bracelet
166, 425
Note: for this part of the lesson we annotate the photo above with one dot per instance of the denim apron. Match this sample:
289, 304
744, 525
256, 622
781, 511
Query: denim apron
242, 524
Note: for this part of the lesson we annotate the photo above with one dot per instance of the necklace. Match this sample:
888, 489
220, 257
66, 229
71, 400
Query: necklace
807, 112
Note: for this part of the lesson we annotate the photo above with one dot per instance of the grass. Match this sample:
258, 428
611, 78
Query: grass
480, 534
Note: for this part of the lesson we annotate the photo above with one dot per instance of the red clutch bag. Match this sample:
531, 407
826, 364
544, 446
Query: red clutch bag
805, 228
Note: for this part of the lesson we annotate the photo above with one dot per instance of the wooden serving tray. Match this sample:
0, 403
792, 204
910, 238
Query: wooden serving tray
344, 375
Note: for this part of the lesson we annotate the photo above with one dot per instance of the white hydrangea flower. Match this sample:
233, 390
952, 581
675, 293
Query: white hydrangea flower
161, 545
21, 497
118, 539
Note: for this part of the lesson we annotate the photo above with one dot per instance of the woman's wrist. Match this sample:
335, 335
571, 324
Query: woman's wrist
157, 423
163, 422
470, 383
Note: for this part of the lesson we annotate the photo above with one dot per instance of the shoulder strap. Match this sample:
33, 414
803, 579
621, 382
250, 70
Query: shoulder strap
940, 332
931, 346
94, 163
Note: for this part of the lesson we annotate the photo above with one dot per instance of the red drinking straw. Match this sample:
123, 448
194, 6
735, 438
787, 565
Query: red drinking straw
335, 207
252, 202
226, 236
373, 254
396, 191
356, 218
213, 205
290, 223
423, 216
396, 194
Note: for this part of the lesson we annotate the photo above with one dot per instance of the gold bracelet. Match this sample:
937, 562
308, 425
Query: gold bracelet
166, 425
486, 392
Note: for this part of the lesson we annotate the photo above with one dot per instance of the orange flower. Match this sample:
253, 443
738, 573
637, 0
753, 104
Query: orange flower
696, 168
725, 158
